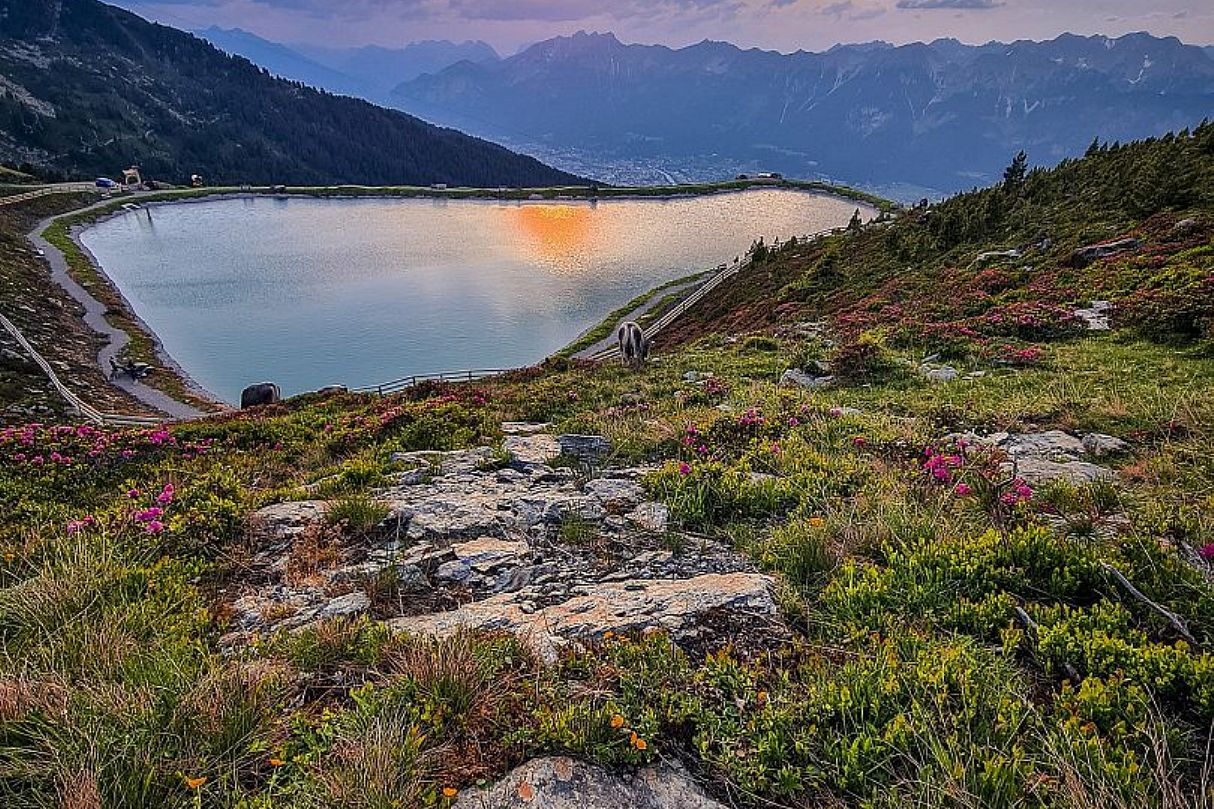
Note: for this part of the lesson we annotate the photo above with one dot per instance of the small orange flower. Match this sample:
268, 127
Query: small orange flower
617, 721
762, 696
277, 762
450, 792
608, 635
640, 744
195, 783
817, 522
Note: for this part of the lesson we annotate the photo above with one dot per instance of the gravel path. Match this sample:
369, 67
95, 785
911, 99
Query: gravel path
94, 318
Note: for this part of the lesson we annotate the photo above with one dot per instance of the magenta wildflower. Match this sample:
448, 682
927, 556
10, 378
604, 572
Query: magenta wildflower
166, 495
154, 527
1207, 552
684, 468
963, 490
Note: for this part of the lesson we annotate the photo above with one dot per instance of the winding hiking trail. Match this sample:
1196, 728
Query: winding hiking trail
94, 318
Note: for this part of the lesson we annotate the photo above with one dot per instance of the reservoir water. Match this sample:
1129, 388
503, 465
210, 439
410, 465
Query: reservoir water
311, 292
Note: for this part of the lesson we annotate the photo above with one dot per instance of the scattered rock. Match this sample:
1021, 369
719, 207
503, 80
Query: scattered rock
992, 256
1099, 445
1084, 256
588, 449
1052, 444
617, 496
940, 375
1183, 228
355, 603
1036, 471
524, 427
563, 783
1054, 455
286, 520
487, 554
1096, 315
525, 450
654, 517
795, 377
460, 461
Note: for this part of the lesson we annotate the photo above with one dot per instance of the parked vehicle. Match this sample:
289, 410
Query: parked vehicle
106, 182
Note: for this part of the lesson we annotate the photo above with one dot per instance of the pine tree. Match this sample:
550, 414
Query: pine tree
1013, 175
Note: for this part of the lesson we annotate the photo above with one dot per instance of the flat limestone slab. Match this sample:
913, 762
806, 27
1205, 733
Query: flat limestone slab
674, 605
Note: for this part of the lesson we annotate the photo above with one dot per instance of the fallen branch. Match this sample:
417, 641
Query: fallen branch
1172, 618
1033, 627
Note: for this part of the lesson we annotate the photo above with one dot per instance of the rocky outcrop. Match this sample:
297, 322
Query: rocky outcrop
563, 783
1096, 315
523, 547
797, 378
1084, 256
994, 256
1055, 455
679, 607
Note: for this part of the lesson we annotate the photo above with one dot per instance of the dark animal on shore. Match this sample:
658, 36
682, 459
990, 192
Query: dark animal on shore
135, 370
267, 393
634, 347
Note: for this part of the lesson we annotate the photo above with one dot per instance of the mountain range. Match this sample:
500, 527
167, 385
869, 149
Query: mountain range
87, 89
369, 72
940, 115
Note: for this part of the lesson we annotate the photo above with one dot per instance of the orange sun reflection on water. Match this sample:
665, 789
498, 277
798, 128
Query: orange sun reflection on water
555, 234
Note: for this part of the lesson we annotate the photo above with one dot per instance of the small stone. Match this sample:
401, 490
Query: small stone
487, 554
284, 520
355, 603
524, 427
617, 496
1185, 227
795, 377
941, 375
526, 450
1099, 445
455, 571
1084, 256
585, 448
1096, 315
1036, 471
652, 517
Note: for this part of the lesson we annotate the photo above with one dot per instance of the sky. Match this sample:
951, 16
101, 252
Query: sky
784, 25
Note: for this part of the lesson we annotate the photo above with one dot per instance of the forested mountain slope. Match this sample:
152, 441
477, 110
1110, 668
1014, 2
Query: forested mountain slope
88, 89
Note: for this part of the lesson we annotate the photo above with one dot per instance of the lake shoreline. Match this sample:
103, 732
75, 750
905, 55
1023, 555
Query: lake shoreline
172, 377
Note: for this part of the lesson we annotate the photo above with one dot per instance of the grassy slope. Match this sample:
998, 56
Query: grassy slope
914, 679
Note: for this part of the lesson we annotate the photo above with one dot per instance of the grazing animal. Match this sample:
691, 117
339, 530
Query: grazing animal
634, 347
267, 393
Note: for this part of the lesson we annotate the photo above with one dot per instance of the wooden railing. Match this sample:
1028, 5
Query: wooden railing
414, 380
65, 188
695, 297
82, 407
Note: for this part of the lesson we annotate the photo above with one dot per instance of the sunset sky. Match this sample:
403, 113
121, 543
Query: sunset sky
784, 25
